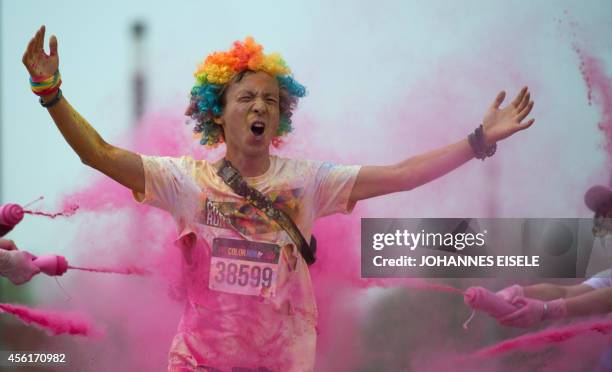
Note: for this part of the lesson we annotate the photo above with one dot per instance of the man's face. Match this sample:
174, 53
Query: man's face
251, 114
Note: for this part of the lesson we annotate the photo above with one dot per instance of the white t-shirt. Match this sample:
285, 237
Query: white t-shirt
602, 254
250, 297
600, 280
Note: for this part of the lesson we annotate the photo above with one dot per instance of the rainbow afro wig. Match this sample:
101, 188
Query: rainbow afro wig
219, 70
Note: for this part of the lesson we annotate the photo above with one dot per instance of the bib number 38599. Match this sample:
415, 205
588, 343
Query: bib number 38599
244, 267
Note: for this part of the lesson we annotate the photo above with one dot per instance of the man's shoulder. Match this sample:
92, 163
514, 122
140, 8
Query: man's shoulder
296, 165
185, 160
183, 164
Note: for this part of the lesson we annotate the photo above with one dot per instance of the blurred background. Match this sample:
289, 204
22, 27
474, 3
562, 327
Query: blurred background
386, 81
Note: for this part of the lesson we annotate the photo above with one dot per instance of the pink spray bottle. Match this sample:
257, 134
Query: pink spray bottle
10, 216
51, 264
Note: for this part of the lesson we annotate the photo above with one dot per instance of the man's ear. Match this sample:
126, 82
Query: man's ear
218, 120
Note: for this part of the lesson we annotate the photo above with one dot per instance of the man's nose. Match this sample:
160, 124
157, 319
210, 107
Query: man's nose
259, 106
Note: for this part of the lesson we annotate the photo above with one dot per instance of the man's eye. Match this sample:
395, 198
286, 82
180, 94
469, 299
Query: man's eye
271, 100
244, 98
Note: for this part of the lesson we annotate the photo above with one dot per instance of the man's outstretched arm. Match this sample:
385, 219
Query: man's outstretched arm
498, 124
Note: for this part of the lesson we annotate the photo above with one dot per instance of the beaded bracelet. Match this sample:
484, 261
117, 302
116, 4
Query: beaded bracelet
53, 101
43, 86
480, 148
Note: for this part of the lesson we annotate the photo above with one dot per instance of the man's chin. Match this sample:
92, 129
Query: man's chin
254, 148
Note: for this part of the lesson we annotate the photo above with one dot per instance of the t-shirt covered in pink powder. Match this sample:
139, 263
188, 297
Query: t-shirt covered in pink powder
250, 298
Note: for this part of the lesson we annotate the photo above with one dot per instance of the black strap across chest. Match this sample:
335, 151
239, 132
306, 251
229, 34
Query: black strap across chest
234, 180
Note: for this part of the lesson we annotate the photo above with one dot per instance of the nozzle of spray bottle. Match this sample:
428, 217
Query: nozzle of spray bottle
10, 216
51, 264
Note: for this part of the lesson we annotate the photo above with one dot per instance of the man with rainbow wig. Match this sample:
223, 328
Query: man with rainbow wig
244, 222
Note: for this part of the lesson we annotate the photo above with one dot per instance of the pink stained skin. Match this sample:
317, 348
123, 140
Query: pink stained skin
479, 298
54, 323
538, 340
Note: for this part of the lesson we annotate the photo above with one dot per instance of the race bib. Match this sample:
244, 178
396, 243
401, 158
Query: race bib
244, 267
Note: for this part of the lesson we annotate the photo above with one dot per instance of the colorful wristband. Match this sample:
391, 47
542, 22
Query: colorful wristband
43, 86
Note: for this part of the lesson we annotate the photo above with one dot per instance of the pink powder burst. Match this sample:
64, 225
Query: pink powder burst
536, 341
128, 270
68, 211
55, 323
599, 91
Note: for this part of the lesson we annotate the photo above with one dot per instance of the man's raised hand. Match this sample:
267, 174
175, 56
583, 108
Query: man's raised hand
37, 62
500, 123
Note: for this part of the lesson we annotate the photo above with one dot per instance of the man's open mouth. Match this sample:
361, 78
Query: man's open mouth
258, 128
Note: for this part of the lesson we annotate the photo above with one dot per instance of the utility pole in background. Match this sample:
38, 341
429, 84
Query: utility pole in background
138, 79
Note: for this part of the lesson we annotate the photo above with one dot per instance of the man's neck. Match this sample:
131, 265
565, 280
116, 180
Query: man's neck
249, 166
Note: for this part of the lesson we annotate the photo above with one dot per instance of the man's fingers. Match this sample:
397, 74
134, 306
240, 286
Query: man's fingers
33, 41
41, 40
29, 255
504, 296
527, 124
524, 112
499, 99
519, 97
53, 45
36, 46
30, 48
26, 55
8, 245
512, 317
523, 102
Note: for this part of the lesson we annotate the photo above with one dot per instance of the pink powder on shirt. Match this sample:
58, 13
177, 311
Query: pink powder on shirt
55, 323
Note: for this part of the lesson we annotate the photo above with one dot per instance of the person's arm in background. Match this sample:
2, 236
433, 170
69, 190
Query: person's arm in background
531, 311
121, 165
595, 302
544, 291
547, 292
